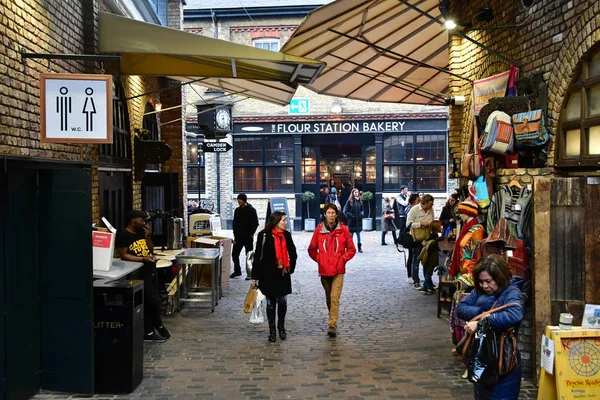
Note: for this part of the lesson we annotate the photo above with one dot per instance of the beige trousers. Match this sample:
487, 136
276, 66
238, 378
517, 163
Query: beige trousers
333, 290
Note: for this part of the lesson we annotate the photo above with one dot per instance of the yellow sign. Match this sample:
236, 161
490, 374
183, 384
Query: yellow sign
576, 365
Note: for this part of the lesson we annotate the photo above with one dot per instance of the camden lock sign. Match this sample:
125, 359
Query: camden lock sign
75, 108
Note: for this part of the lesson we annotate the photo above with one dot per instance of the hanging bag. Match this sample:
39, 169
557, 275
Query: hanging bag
498, 135
421, 233
470, 165
530, 130
250, 299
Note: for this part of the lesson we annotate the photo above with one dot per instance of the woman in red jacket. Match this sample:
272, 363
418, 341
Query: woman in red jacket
332, 247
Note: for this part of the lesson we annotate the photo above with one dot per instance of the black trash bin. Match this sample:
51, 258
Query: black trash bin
118, 335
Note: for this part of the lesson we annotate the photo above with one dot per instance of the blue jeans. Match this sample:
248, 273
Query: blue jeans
428, 282
415, 263
357, 236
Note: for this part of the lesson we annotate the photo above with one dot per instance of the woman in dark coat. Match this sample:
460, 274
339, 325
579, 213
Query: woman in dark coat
449, 214
274, 262
354, 211
495, 287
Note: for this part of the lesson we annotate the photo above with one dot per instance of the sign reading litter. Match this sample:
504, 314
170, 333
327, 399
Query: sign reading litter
76, 108
216, 147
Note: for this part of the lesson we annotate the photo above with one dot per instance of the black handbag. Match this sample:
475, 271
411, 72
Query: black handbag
405, 239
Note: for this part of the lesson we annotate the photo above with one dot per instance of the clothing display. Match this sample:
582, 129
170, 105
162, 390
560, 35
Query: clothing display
512, 203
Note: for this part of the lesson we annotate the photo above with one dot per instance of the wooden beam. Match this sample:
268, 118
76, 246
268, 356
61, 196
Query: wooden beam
592, 243
541, 261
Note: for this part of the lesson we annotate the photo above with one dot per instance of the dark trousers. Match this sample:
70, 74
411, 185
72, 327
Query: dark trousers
245, 242
281, 304
152, 305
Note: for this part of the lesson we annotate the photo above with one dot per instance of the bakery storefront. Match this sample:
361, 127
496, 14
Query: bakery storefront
277, 157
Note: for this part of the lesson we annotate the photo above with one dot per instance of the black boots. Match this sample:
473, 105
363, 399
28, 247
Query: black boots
272, 334
281, 329
360, 247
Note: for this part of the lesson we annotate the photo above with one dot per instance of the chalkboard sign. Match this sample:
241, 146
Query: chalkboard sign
279, 204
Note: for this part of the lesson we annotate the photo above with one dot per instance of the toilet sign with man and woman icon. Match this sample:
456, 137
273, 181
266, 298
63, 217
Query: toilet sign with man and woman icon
76, 108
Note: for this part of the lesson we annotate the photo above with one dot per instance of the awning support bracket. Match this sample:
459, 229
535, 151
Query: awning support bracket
462, 34
76, 57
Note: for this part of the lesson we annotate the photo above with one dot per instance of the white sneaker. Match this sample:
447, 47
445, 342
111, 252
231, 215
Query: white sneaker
409, 280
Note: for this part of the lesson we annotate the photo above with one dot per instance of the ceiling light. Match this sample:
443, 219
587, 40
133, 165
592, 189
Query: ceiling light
157, 107
449, 24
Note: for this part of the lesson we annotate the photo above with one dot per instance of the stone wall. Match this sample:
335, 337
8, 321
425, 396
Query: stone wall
552, 38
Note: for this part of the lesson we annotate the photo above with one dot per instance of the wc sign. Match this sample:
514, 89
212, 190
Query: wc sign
76, 108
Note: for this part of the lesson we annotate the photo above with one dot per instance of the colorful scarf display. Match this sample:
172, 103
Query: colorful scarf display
455, 266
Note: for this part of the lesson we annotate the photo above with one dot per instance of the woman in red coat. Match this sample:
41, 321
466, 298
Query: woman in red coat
332, 247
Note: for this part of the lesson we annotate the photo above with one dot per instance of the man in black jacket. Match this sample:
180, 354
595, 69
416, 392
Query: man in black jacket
245, 223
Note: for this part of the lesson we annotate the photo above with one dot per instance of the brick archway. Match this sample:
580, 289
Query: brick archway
562, 73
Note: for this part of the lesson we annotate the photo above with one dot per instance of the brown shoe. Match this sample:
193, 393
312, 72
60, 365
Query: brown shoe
331, 331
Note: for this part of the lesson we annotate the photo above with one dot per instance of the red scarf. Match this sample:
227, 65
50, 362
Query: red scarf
456, 256
281, 252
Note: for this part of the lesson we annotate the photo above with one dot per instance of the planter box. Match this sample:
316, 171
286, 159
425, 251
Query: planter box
367, 224
309, 224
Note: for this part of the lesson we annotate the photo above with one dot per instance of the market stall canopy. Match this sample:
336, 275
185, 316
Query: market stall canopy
377, 50
270, 91
148, 49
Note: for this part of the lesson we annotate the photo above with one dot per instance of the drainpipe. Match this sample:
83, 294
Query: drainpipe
216, 36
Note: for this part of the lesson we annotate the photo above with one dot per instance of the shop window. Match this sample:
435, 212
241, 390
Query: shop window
279, 150
430, 148
248, 150
417, 160
119, 152
278, 178
150, 124
370, 163
431, 177
578, 142
195, 166
247, 179
398, 148
263, 164
309, 165
267, 44
395, 176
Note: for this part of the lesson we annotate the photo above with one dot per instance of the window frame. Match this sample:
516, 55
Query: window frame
263, 165
581, 83
267, 40
414, 164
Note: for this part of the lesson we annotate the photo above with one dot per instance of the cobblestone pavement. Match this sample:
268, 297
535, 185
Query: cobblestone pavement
390, 344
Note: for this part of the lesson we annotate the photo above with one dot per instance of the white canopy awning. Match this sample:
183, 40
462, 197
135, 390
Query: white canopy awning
376, 50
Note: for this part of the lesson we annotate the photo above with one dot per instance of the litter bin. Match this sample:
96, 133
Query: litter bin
118, 335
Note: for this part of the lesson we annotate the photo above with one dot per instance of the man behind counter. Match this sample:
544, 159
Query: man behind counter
134, 244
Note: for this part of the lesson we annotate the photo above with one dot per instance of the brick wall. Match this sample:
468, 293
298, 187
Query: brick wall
554, 37
65, 27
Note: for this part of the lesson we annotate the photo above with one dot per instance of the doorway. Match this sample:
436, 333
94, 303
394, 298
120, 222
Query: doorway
341, 166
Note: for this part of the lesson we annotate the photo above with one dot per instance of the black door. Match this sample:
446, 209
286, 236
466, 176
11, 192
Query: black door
160, 193
65, 259
115, 196
20, 283
45, 279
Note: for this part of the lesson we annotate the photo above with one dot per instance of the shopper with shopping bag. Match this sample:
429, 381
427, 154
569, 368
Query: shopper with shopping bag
274, 262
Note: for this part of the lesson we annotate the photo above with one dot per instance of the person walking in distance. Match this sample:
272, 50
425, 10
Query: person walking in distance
134, 244
274, 263
245, 223
332, 247
354, 212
